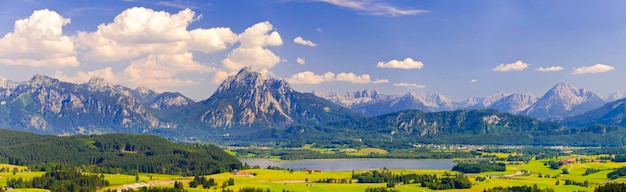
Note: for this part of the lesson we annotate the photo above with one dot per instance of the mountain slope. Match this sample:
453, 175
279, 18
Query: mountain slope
514, 103
47, 105
415, 122
563, 100
613, 113
127, 152
250, 100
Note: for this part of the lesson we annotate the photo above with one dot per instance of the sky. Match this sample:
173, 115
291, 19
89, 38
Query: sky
459, 49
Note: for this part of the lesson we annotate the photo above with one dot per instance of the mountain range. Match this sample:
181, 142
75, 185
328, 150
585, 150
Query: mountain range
248, 103
561, 101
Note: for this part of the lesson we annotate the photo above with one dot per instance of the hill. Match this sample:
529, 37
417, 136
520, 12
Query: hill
114, 153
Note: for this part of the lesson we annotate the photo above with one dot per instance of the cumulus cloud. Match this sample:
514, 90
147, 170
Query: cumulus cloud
353, 78
597, 68
373, 7
301, 41
309, 77
517, 66
39, 41
160, 70
378, 81
473, 81
549, 69
138, 31
81, 76
252, 49
300, 61
407, 63
409, 85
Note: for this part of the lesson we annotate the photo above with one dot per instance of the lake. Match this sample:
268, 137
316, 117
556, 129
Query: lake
354, 164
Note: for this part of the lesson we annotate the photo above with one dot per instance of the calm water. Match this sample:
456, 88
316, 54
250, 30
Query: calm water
354, 164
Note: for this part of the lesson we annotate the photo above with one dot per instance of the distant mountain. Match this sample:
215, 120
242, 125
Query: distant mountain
613, 113
47, 105
513, 103
248, 99
372, 103
481, 102
351, 99
563, 100
615, 96
420, 101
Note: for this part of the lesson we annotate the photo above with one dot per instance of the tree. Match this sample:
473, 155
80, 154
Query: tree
557, 182
136, 178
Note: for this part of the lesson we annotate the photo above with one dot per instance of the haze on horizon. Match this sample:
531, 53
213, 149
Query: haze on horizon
458, 49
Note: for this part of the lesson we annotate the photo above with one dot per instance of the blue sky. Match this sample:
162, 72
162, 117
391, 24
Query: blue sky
456, 48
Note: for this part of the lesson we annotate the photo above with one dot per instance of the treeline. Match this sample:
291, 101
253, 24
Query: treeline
114, 153
334, 180
524, 188
380, 189
447, 181
62, 180
479, 166
611, 187
620, 172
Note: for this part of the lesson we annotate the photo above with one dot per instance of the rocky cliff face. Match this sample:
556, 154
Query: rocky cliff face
514, 103
51, 106
249, 99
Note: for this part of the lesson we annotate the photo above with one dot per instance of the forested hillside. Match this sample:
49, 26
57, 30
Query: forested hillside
114, 153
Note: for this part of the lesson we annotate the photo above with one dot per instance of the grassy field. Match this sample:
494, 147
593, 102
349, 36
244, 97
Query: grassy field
277, 180
4, 176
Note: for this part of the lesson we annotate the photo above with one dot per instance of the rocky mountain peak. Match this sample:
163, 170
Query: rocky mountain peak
248, 79
40, 79
564, 100
371, 93
98, 82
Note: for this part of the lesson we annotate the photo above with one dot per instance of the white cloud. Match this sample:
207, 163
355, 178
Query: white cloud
517, 66
39, 41
408, 63
549, 69
301, 41
300, 61
158, 71
473, 81
409, 85
352, 78
138, 32
251, 51
373, 7
378, 81
81, 77
309, 77
597, 68
319, 30
211, 40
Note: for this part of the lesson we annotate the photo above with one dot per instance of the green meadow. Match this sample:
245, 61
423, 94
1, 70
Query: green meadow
297, 180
